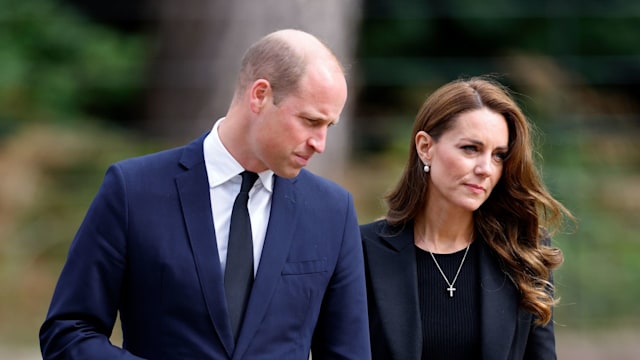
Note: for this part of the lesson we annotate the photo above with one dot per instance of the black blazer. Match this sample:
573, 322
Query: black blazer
507, 330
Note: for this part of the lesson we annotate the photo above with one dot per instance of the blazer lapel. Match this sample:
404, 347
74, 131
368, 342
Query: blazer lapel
193, 189
282, 222
499, 307
395, 287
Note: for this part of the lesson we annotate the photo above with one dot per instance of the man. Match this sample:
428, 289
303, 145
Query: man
154, 243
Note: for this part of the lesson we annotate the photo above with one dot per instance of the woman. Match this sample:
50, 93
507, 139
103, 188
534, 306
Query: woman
460, 266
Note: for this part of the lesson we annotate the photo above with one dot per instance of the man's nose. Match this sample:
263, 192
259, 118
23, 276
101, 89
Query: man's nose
318, 140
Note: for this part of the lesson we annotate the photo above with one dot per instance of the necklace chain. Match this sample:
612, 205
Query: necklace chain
451, 289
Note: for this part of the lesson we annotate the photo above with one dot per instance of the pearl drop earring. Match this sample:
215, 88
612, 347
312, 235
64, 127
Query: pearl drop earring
426, 168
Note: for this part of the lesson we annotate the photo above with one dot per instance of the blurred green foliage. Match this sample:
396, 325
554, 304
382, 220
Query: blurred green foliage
57, 66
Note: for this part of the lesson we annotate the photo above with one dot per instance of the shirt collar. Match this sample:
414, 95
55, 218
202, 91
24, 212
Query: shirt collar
218, 158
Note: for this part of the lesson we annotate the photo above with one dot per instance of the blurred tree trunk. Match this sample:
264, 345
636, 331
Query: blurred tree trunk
199, 47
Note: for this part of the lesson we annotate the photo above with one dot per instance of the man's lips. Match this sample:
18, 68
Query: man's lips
303, 159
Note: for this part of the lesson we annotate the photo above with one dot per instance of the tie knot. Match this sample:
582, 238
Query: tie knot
248, 179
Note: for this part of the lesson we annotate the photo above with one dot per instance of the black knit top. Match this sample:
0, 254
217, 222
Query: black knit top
451, 325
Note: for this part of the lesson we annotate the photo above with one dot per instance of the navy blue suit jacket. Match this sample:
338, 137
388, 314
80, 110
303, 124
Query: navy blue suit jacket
147, 249
507, 330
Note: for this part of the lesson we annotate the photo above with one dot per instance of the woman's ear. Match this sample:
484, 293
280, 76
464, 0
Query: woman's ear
424, 144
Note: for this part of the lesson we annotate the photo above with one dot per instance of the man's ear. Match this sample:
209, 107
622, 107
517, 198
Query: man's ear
260, 95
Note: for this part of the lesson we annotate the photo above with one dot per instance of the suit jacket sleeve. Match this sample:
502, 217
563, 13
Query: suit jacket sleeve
541, 342
85, 302
342, 331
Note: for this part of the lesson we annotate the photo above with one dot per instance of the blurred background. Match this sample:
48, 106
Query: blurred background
84, 83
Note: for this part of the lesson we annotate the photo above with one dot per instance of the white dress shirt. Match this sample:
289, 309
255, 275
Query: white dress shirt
223, 173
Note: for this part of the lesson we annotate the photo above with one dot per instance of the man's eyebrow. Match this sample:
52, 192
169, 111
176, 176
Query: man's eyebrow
319, 118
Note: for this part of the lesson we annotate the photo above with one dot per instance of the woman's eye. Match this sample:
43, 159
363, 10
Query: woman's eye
502, 156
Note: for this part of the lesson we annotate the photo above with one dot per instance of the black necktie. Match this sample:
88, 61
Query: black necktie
238, 275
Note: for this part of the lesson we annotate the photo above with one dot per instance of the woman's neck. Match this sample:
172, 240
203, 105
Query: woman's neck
443, 233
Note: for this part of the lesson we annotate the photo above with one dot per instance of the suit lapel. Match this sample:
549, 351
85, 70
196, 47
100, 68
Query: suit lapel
499, 302
193, 189
395, 288
278, 238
